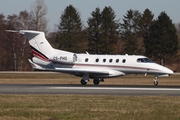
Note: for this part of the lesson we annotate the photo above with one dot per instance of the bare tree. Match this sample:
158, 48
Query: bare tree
12, 23
25, 21
38, 12
17, 44
5, 62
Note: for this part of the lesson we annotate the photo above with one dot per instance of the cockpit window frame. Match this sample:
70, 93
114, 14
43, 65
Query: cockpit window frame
144, 60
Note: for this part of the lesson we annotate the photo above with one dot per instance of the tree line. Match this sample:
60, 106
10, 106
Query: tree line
15, 49
135, 34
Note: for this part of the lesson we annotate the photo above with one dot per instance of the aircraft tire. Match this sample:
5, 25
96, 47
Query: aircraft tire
83, 82
96, 81
155, 83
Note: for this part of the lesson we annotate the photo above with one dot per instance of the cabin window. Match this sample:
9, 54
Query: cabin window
86, 60
97, 60
104, 60
110, 60
124, 60
117, 60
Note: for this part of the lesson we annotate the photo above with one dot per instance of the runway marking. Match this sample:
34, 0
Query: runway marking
110, 88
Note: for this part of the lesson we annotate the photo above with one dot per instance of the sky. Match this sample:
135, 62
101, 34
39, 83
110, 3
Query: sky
85, 7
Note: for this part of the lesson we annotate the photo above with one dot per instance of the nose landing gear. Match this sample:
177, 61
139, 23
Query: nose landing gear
155, 81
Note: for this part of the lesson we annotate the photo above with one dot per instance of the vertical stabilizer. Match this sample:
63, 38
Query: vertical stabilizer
39, 45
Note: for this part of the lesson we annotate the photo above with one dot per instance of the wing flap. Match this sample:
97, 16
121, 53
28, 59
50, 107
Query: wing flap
71, 70
94, 72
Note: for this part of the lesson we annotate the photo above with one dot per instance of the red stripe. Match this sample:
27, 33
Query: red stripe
39, 55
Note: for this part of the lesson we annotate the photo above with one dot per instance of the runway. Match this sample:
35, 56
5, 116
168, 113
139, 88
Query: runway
130, 90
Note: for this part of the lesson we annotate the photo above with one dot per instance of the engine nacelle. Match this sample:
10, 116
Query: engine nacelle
68, 58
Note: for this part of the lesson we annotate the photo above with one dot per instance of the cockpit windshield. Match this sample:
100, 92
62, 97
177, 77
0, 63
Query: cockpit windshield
144, 60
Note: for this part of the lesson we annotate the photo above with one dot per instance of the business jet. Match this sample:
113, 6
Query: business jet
96, 67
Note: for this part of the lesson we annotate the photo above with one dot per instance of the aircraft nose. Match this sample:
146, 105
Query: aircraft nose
167, 70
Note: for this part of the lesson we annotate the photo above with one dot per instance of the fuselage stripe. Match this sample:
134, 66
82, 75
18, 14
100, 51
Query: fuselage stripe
39, 54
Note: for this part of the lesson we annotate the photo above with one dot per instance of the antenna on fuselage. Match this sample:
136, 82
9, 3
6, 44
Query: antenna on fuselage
87, 53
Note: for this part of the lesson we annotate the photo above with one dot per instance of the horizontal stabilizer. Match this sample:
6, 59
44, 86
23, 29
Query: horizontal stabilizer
15, 31
35, 66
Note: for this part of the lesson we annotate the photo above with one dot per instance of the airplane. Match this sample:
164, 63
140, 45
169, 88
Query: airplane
88, 66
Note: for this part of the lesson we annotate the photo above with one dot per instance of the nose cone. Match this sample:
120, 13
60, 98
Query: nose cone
167, 70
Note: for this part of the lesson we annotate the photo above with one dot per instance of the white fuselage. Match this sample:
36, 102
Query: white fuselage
124, 63
88, 66
127, 64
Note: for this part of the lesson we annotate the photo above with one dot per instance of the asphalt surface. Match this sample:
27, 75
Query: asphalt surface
129, 90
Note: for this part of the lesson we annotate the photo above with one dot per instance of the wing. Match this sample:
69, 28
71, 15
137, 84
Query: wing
81, 71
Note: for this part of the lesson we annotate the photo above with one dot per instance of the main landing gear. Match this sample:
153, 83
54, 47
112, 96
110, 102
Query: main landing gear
155, 81
83, 82
96, 81
85, 79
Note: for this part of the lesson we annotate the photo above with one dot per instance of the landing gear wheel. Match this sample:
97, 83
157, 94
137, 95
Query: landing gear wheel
83, 82
155, 83
96, 81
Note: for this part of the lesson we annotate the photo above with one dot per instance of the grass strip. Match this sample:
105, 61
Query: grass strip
59, 78
88, 107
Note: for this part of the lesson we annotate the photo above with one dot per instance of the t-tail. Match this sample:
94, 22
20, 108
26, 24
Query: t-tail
44, 53
39, 45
